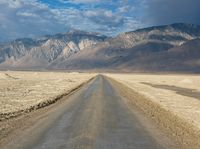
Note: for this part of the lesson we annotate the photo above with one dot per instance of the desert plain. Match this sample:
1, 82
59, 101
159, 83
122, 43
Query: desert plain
177, 93
21, 90
170, 100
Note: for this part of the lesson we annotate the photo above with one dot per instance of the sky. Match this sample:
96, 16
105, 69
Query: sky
32, 18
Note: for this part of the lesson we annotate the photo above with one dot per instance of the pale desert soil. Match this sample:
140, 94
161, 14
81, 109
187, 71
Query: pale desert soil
177, 93
172, 101
20, 90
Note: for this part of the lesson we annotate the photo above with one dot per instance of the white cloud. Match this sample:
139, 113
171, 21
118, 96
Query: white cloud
30, 17
26, 14
12, 3
22, 18
109, 14
124, 9
104, 17
80, 1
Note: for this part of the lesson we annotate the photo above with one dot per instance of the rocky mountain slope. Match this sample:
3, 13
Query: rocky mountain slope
141, 50
40, 52
162, 48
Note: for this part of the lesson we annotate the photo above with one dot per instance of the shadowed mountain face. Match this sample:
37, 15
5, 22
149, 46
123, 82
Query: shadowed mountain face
174, 47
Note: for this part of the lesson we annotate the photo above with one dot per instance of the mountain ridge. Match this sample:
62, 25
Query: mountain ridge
82, 50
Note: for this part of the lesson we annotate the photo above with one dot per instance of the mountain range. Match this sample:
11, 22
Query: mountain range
174, 47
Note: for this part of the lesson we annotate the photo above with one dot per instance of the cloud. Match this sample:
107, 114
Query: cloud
124, 9
80, 1
11, 3
171, 11
104, 17
24, 18
26, 14
32, 18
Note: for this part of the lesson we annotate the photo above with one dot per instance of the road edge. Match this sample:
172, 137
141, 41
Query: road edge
186, 134
15, 114
14, 126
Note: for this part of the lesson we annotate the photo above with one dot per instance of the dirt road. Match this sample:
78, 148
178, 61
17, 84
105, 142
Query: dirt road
96, 117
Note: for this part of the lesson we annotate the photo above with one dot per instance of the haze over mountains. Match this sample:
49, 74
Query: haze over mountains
173, 47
